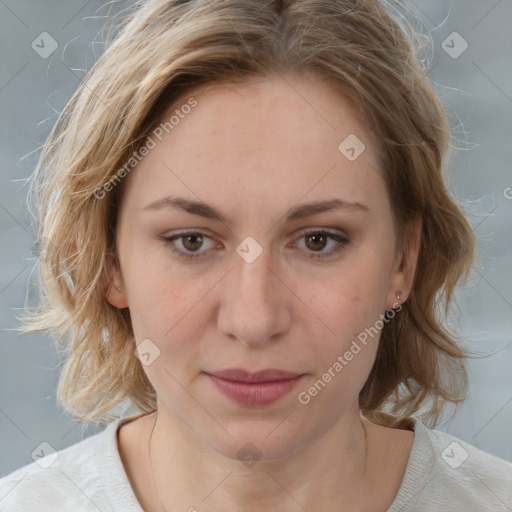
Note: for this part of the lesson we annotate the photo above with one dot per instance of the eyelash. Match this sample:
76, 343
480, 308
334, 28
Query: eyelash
342, 242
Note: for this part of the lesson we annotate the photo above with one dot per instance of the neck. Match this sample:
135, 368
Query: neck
189, 474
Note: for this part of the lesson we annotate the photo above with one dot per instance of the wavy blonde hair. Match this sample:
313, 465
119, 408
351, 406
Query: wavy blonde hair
161, 50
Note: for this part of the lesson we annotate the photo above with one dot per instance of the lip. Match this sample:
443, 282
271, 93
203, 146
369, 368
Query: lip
267, 375
254, 389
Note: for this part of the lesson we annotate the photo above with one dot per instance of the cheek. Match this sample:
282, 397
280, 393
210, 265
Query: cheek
168, 314
350, 301
170, 318
344, 354
160, 290
172, 306
349, 309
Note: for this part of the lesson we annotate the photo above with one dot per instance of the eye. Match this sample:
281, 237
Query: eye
318, 239
191, 241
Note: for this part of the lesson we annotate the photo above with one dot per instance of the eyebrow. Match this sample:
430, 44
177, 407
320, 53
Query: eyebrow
297, 212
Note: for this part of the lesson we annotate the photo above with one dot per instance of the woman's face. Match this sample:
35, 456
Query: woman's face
262, 282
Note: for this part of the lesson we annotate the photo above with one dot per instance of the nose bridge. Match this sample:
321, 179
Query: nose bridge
255, 279
255, 307
252, 266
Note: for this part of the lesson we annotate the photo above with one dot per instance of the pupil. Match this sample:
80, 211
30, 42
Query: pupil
317, 237
194, 246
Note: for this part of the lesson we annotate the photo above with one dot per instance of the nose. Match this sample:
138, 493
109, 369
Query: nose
256, 302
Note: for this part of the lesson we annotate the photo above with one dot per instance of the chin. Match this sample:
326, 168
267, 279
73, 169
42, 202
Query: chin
261, 441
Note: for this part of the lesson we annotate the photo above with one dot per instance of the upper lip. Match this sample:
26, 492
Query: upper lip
267, 375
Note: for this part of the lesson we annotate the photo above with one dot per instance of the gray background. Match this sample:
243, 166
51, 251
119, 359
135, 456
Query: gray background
476, 87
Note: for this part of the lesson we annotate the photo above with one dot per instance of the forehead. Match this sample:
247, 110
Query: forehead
273, 139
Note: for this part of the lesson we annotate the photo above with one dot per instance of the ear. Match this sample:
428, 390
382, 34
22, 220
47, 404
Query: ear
405, 264
115, 280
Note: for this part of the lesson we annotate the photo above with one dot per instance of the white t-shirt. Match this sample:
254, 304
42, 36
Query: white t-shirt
444, 474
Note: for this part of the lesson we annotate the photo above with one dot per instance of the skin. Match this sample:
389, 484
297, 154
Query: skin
253, 151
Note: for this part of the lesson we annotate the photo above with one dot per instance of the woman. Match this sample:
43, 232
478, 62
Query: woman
245, 231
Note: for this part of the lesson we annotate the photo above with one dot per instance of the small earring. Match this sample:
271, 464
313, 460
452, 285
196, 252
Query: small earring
398, 292
119, 290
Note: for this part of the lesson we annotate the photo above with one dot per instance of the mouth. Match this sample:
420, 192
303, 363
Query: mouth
254, 389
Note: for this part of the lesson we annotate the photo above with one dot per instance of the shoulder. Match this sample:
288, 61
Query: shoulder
449, 474
61, 479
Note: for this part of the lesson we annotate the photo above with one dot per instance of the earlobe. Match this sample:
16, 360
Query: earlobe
403, 277
115, 293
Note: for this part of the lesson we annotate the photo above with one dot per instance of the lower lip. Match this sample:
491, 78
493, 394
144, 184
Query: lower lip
255, 394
